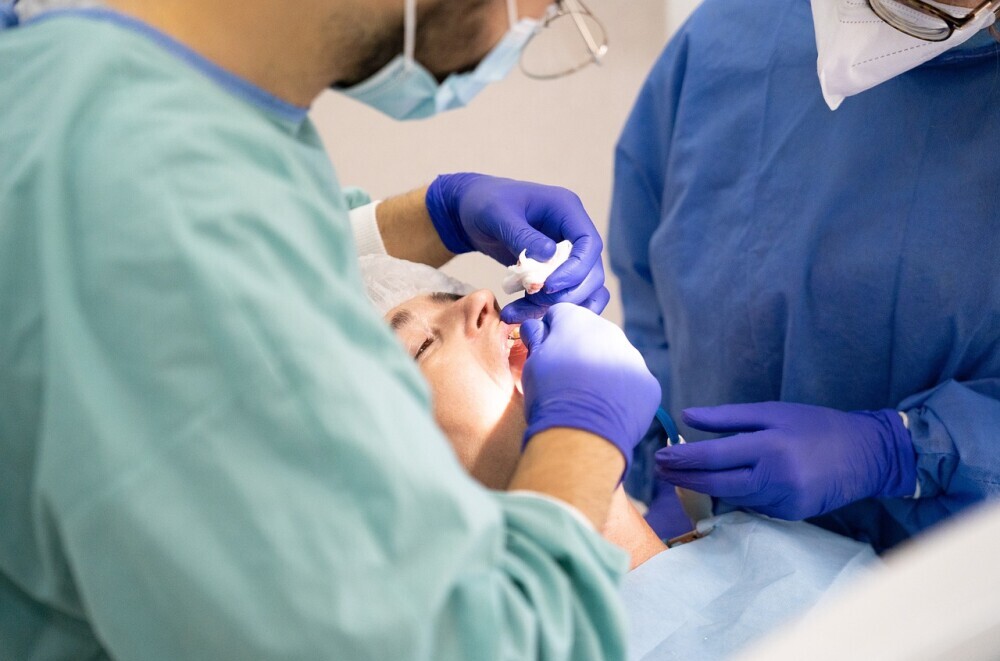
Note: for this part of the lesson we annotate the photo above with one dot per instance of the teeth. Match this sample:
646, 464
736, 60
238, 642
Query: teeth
515, 335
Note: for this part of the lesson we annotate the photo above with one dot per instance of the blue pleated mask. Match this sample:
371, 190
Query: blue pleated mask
404, 89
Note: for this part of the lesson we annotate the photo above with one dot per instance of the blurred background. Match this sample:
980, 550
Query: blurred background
560, 132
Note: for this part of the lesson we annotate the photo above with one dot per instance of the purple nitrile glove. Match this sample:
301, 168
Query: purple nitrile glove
501, 217
582, 373
665, 515
793, 461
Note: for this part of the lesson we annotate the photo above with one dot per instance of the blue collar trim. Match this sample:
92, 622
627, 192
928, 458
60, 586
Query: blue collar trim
229, 81
8, 17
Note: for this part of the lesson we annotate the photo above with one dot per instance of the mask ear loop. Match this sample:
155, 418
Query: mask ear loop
410, 34
512, 13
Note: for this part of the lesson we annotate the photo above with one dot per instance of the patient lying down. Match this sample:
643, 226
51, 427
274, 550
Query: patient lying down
701, 600
464, 352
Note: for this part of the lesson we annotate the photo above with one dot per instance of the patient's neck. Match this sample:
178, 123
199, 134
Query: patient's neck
626, 528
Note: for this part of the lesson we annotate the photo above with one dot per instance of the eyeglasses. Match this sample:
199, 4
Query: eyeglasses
569, 39
925, 21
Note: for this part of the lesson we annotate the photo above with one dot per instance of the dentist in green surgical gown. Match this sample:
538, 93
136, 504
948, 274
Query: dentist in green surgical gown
210, 446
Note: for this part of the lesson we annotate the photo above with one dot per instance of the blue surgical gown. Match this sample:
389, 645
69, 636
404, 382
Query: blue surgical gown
770, 249
211, 446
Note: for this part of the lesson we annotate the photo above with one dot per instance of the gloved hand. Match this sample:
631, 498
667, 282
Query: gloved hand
581, 372
665, 515
793, 461
502, 217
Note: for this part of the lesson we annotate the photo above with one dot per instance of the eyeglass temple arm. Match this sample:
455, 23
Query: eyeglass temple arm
575, 9
991, 7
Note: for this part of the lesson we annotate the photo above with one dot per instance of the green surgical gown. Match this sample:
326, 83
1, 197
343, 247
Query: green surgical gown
210, 446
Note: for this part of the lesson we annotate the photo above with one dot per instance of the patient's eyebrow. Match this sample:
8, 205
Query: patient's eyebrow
404, 317
400, 319
445, 297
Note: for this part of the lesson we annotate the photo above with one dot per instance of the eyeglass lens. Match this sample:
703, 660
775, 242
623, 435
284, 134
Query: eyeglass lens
914, 22
569, 41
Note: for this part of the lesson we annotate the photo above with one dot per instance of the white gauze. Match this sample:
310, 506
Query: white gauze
530, 275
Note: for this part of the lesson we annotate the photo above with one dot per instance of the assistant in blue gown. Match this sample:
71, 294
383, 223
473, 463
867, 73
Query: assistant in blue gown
770, 249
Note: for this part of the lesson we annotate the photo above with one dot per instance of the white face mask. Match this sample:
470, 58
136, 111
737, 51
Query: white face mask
858, 50
405, 89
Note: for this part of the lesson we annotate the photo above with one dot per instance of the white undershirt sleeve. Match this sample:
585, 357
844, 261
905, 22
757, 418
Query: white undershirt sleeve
367, 239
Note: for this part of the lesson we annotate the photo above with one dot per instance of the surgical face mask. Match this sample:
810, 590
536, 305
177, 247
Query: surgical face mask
404, 89
858, 50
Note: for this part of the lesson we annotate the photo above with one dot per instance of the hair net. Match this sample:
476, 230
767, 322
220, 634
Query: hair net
389, 281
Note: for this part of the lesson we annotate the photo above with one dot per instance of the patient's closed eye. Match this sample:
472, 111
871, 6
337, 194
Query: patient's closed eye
423, 347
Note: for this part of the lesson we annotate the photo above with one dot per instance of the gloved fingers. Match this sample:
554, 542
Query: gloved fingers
566, 313
568, 383
533, 333
583, 260
559, 212
758, 502
598, 301
665, 515
521, 310
517, 235
595, 302
728, 484
590, 294
716, 454
590, 285
732, 417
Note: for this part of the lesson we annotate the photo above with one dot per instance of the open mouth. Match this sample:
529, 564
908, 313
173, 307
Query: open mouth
513, 336
517, 353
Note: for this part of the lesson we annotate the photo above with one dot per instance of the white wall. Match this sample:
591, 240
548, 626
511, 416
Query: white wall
677, 11
559, 132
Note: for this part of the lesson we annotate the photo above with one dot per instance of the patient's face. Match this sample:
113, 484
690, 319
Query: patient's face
462, 348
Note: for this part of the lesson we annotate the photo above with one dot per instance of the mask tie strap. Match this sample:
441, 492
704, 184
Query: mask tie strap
512, 13
410, 33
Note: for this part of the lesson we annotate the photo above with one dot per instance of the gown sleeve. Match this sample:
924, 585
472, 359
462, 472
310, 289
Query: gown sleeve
956, 432
356, 197
238, 462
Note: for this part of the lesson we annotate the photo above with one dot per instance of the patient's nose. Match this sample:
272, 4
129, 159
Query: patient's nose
479, 307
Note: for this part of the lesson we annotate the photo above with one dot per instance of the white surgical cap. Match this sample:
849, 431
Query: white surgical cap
389, 281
